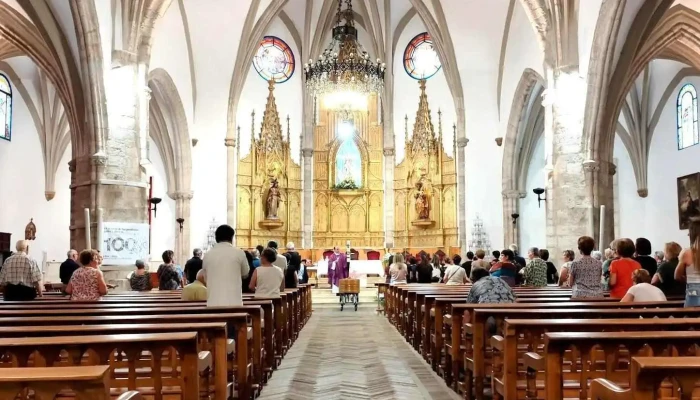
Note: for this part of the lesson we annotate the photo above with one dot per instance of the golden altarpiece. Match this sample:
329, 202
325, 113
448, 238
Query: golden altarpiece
425, 186
348, 178
269, 185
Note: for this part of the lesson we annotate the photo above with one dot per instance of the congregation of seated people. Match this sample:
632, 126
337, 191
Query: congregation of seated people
612, 272
261, 304
521, 328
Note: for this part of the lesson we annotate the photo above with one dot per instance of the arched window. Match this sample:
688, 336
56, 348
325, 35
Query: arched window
687, 117
5, 108
420, 60
274, 60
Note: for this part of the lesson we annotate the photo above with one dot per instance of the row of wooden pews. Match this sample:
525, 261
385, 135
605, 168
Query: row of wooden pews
154, 345
548, 346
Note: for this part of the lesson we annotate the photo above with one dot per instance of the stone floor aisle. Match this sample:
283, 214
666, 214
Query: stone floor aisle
353, 355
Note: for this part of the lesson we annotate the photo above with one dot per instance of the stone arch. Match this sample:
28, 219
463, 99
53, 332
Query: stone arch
169, 130
525, 127
23, 35
654, 33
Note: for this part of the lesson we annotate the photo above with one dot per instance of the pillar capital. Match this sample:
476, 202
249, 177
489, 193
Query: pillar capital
389, 152
230, 142
182, 195
462, 142
99, 158
307, 152
513, 194
591, 165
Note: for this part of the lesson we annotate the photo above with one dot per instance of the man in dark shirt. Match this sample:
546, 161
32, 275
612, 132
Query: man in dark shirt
467, 265
519, 261
69, 266
293, 266
193, 266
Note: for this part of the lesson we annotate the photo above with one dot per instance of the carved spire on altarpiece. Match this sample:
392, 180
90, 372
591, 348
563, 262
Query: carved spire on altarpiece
271, 138
424, 138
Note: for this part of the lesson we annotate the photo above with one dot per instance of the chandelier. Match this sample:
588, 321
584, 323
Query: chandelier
344, 76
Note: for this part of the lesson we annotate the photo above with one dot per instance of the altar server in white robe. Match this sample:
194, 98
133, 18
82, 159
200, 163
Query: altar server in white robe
225, 266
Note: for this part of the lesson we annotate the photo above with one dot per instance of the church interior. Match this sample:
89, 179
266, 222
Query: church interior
388, 131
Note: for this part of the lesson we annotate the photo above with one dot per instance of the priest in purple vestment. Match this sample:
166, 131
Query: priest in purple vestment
337, 267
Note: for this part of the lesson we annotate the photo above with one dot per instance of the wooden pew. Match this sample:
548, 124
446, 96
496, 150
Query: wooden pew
86, 382
524, 335
474, 342
646, 377
211, 335
47, 349
594, 346
239, 328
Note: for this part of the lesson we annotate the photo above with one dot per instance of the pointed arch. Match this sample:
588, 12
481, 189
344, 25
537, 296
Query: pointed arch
525, 127
23, 35
169, 130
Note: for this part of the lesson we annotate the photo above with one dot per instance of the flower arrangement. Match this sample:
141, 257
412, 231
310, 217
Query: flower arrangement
346, 184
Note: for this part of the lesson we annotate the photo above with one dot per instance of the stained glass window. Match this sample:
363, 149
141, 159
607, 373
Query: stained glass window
274, 60
420, 60
687, 115
5, 108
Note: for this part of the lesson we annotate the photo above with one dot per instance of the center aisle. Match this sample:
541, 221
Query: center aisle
353, 355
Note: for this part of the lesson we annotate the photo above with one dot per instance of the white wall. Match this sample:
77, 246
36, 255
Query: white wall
163, 224
656, 217
533, 218
22, 195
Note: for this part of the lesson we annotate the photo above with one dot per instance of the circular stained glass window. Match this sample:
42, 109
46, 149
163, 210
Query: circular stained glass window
420, 60
274, 60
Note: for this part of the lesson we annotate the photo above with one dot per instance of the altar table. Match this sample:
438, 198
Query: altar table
360, 267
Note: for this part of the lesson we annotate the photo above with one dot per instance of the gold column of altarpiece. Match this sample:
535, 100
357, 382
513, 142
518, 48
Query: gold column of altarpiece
269, 185
425, 186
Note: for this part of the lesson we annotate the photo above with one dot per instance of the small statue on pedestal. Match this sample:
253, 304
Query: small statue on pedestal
30, 230
273, 200
422, 201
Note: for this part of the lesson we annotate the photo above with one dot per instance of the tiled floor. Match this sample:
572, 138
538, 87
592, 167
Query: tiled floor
353, 355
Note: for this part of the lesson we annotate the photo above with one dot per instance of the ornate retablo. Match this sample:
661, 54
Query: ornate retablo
425, 186
269, 184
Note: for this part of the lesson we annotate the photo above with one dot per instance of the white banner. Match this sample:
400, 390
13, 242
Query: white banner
123, 243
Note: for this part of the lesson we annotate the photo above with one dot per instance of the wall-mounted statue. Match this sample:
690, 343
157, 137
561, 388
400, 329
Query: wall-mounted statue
273, 200
422, 200
30, 230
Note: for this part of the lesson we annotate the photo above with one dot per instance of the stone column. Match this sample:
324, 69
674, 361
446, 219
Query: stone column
308, 197
511, 204
460, 162
182, 237
121, 187
389, 162
231, 170
570, 196
144, 123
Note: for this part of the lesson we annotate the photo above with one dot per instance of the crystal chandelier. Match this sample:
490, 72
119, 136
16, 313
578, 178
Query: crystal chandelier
343, 77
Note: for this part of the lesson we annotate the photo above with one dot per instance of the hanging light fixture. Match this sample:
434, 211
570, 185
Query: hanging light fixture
344, 76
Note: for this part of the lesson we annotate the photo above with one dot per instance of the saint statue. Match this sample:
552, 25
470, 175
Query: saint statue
273, 200
347, 168
30, 230
422, 201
